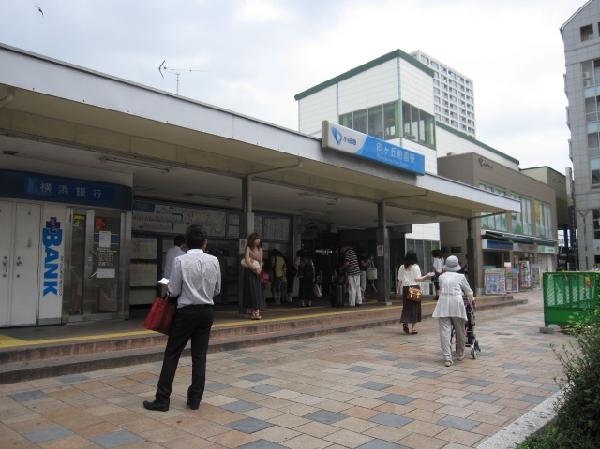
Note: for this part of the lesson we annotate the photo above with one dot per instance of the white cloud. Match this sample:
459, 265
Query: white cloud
261, 11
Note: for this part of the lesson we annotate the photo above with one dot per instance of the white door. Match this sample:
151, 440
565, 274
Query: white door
25, 281
19, 263
6, 239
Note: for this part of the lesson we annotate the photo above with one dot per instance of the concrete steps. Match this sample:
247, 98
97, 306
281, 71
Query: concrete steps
79, 355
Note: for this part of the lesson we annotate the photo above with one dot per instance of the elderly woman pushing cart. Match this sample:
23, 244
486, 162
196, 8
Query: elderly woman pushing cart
450, 309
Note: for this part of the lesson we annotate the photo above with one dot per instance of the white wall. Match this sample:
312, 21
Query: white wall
416, 87
448, 142
430, 155
373, 87
315, 108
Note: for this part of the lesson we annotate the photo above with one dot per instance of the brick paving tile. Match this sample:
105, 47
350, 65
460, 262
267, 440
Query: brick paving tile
426, 405
456, 402
276, 434
423, 428
355, 424
306, 442
461, 412
287, 420
459, 436
456, 446
316, 429
418, 441
379, 444
71, 442
424, 415
233, 438
486, 429
348, 438
391, 434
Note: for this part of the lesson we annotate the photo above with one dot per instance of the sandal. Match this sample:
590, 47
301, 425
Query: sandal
406, 329
414, 332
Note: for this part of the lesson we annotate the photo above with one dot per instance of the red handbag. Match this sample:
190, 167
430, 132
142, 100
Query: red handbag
160, 316
264, 277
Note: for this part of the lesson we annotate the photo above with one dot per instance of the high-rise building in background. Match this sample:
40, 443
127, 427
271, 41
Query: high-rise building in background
452, 95
581, 39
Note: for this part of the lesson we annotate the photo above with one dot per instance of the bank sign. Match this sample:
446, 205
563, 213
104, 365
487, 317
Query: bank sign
347, 140
52, 239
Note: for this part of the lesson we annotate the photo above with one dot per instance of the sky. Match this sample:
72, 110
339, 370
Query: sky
252, 56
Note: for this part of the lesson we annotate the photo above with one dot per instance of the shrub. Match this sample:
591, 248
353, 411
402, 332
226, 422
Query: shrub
577, 423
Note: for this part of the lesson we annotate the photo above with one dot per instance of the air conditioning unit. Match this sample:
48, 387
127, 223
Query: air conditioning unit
587, 76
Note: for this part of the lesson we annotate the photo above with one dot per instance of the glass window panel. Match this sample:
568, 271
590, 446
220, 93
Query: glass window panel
430, 130
375, 127
406, 120
593, 140
346, 120
597, 71
421, 126
390, 121
414, 123
359, 121
595, 171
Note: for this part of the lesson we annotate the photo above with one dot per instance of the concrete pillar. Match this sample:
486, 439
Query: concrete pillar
246, 228
383, 257
471, 256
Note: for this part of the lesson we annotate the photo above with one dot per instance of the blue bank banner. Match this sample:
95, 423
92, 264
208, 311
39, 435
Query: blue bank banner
347, 140
18, 184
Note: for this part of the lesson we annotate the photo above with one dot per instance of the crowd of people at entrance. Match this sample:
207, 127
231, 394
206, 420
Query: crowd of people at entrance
194, 279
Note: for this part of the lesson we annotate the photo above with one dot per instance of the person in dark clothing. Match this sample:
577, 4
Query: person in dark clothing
409, 274
306, 272
195, 280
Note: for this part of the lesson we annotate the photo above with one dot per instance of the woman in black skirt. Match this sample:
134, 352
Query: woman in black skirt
408, 275
253, 262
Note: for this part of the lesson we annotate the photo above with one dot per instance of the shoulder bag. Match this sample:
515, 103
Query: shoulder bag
414, 293
160, 316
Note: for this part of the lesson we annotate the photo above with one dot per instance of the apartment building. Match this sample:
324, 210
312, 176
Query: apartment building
452, 95
581, 39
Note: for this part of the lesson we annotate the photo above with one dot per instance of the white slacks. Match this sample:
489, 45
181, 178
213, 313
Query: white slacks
354, 290
446, 332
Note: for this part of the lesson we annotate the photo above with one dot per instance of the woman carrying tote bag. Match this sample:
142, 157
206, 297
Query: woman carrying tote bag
409, 274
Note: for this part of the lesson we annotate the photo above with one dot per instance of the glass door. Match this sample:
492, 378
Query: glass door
94, 288
103, 239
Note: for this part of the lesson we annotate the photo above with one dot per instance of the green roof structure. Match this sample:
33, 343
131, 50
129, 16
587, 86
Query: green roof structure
362, 68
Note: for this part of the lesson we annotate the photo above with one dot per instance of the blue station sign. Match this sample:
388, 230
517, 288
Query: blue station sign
341, 138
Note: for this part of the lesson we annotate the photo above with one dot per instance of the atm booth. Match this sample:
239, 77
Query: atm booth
62, 248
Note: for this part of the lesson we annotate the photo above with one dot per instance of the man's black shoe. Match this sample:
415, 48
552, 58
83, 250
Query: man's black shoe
193, 405
156, 406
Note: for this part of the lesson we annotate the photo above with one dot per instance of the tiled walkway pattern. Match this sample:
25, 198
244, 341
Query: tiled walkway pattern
371, 389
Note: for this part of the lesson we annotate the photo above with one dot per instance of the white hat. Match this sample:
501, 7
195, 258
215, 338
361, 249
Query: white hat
451, 264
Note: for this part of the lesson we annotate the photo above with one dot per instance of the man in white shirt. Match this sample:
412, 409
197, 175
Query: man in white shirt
195, 280
176, 250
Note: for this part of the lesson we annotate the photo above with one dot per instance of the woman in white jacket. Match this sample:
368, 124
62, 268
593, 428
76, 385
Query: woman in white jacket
450, 309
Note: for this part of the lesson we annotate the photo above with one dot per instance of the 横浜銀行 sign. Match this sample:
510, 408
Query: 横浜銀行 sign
347, 140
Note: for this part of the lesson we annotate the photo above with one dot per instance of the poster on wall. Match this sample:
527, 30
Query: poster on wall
495, 281
536, 271
524, 274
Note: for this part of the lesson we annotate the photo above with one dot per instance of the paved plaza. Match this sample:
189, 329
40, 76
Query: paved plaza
373, 388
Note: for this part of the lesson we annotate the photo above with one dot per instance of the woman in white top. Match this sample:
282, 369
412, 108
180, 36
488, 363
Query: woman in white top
450, 309
409, 275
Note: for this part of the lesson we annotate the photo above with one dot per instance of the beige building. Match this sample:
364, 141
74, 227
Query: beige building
525, 236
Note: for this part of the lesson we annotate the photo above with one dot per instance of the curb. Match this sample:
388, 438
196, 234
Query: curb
532, 422
56, 366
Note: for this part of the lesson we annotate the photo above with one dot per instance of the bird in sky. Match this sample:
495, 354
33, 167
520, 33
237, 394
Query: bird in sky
40, 10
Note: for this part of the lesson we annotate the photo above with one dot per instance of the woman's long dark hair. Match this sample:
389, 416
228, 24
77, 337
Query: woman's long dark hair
252, 238
410, 259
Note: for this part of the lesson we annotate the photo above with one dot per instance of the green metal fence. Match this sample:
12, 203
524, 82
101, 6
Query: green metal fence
569, 295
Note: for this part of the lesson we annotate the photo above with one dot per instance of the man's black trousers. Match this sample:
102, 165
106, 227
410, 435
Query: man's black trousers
190, 323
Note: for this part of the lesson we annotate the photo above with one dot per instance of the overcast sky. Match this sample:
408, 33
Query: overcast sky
256, 54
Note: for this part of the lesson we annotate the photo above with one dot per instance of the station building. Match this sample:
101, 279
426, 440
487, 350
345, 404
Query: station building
392, 97
97, 174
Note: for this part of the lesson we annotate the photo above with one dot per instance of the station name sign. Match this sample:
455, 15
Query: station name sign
341, 138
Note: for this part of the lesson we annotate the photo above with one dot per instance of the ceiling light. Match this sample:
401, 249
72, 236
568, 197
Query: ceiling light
208, 196
135, 163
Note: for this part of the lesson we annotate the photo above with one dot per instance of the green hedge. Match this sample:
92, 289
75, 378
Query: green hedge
577, 423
